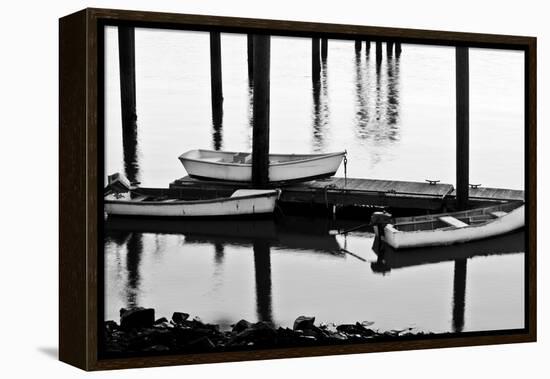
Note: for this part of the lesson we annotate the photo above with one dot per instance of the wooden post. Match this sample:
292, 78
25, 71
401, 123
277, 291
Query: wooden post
367, 47
389, 49
324, 49
378, 51
462, 127
250, 55
127, 67
216, 77
260, 133
357, 46
315, 61
397, 49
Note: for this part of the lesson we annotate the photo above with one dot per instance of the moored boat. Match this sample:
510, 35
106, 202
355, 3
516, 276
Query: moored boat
153, 202
237, 166
448, 228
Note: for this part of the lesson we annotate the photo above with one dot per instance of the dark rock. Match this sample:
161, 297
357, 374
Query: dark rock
179, 317
355, 329
303, 323
161, 320
261, 334
137, 318
111, 326
240, 326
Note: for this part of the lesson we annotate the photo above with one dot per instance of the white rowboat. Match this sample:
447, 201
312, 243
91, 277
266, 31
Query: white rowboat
449, 228
241, 202
237, 166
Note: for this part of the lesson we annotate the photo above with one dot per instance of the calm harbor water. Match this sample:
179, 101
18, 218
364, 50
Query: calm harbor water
396, 121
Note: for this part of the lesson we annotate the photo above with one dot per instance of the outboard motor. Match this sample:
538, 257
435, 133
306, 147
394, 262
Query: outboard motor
379, 220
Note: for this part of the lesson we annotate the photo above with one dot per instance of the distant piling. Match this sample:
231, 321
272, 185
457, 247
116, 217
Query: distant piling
315, 61
260, 134
397, 49
358, 46
324, 49
127, 67
462, 127
250, 55
367, 47
378, 51
216, 77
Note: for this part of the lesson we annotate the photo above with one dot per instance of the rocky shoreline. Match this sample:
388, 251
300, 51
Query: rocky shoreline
140, 333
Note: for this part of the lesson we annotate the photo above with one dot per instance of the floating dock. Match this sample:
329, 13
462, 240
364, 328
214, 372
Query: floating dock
338, 191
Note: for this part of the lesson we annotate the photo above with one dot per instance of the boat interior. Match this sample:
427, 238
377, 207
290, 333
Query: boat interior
454, 220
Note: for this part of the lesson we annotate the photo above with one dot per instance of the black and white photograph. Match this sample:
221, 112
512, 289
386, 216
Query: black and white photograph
266, 191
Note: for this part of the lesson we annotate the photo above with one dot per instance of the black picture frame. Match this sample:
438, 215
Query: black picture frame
81, 179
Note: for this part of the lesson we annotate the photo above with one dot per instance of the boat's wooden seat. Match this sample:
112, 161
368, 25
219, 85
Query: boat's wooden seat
242, 158
498, 213
451, 221
140, 198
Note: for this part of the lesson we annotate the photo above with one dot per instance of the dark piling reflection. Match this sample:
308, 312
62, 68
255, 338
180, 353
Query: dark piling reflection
392, 104
134, 248
377, 120
361, 99
219, 251
320, 110
262, 268
459, 294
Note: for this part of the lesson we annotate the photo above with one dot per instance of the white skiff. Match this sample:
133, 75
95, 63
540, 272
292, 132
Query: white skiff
237, 166
449, 228
241, 202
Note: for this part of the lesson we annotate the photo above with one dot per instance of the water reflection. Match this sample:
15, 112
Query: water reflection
459, 294
297, 234
389, 259
133, 260
320, 110
379, 122
307, 238
262, 274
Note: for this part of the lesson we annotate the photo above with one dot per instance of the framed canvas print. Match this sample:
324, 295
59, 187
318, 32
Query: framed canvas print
237, 189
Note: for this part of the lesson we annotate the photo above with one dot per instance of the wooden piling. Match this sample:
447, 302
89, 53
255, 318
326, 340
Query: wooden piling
367, 46
358, 46
216, 77
378, 51
250, 55
462, 127
324, 49
315, 61
260, 134
397, 49
127, 67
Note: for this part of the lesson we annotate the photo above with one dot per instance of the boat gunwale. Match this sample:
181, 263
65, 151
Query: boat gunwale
430, 218
313, 157
267, 194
